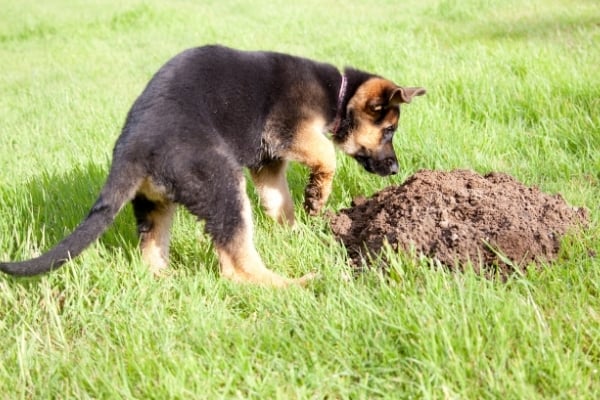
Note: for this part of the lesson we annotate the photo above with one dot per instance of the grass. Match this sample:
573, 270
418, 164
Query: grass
512, 86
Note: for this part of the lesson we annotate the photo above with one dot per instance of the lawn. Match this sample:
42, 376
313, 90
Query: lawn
513, 86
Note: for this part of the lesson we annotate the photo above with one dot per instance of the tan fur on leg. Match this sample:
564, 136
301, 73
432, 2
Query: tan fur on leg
272, 186
154, 244
314, 150
239, 260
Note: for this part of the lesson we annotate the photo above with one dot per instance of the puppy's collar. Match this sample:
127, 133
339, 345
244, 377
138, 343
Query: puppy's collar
340, 101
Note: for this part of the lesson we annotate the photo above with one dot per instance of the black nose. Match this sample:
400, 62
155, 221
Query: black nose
392, 166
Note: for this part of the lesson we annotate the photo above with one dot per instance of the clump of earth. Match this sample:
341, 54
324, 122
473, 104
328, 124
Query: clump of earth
492, 222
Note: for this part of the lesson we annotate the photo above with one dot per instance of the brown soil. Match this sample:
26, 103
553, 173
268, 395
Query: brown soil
460, 216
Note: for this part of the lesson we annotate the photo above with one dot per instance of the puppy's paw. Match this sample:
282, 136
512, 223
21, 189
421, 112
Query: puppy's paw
304, 280
312, 206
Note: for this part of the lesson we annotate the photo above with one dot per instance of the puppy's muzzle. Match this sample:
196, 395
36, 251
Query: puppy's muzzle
384, 166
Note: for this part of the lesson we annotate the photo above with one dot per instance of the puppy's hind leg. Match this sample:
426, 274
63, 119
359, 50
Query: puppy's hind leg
154, 220
239, 259
229, 222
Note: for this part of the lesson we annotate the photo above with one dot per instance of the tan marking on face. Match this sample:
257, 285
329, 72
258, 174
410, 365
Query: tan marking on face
369, 92
365, 105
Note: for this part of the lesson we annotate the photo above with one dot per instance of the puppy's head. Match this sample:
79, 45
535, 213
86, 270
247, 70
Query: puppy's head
371, 120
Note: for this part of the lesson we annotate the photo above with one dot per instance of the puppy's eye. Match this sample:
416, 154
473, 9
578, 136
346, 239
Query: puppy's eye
388, 133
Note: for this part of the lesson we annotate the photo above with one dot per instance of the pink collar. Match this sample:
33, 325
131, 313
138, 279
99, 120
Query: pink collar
340, 100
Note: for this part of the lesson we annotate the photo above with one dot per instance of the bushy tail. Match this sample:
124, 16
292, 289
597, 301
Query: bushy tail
114, 195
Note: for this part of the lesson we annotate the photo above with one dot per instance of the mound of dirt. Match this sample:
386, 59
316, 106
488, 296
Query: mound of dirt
460, 216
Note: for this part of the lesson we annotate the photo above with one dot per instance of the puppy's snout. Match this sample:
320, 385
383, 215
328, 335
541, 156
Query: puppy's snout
392, 166
384, 165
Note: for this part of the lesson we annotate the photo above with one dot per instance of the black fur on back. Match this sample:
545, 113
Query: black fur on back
232, 94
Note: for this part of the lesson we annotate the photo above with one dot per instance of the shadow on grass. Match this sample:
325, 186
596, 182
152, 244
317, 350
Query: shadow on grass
37, 214
40, 212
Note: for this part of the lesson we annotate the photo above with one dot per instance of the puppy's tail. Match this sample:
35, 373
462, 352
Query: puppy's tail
118, 189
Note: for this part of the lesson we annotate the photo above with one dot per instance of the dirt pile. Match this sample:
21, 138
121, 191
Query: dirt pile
459, 216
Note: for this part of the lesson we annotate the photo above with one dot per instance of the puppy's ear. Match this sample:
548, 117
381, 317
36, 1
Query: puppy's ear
405, 94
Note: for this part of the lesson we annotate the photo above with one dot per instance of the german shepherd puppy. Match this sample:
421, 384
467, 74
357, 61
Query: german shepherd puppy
208, 113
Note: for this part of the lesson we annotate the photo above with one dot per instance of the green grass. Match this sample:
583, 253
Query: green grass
513, 86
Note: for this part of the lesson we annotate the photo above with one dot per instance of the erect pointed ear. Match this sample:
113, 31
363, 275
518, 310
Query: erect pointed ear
405, 94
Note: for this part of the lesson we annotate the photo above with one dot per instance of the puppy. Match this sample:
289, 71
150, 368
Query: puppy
208, 113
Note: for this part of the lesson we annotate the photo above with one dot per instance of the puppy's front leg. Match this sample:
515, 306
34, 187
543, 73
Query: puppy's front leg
319, 186
272, 186
314, 150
